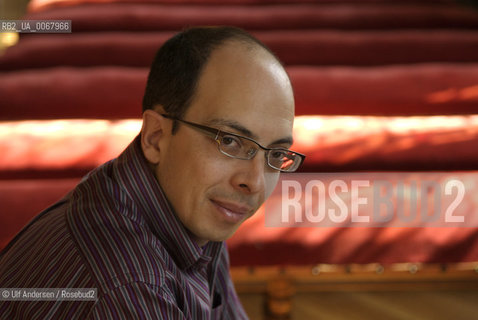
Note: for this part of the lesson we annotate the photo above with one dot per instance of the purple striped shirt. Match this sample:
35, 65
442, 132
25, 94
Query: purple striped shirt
116, 232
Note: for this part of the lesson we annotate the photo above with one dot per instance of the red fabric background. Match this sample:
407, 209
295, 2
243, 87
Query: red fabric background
116, 92
293, 47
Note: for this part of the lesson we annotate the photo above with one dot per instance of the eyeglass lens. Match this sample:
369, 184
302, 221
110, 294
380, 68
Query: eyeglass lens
241, 148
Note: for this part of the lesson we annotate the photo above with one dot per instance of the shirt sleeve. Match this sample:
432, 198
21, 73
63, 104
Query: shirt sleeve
133, 301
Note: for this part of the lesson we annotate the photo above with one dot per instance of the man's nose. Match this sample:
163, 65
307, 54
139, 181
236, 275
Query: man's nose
251, 176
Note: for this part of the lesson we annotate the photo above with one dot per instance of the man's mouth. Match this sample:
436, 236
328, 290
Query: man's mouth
232, 212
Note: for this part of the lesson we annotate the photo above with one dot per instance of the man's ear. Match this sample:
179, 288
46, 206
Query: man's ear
152, 135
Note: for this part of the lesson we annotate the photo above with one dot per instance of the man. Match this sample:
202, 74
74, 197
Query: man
147, 229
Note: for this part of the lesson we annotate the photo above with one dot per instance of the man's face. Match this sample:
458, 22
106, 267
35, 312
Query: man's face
244, 91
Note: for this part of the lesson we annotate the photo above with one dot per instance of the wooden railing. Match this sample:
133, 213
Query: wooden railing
280, 284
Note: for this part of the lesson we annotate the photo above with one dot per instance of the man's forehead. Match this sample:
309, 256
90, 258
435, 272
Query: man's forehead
246, 92
237, 55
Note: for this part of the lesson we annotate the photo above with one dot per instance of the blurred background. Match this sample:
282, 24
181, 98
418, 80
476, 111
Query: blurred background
11, 9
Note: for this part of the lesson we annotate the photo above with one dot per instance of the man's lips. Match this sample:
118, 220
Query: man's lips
233, 210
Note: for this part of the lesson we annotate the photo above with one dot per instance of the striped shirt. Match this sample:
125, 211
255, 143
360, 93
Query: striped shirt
117, 232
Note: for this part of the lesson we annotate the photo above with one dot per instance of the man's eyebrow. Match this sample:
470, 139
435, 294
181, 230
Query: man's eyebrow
234, 125
287, 140
246, 132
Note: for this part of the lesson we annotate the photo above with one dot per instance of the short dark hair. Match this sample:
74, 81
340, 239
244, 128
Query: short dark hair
177, 66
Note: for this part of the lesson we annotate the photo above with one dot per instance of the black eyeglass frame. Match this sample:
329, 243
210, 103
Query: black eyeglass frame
215, 133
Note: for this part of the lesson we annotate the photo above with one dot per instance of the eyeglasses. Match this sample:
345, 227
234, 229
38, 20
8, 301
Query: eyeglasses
240, 147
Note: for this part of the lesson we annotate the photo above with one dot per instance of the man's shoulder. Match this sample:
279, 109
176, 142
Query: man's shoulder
44, 254
97, 230
48, 255
112, 235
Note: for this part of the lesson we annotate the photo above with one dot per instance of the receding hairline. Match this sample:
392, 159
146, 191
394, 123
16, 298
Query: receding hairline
201, 54
248, 44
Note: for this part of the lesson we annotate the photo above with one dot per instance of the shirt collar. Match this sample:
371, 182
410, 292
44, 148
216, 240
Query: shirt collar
133, 172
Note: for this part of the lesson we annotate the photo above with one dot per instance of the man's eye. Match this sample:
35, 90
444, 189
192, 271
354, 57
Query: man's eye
230, 141
279, 154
